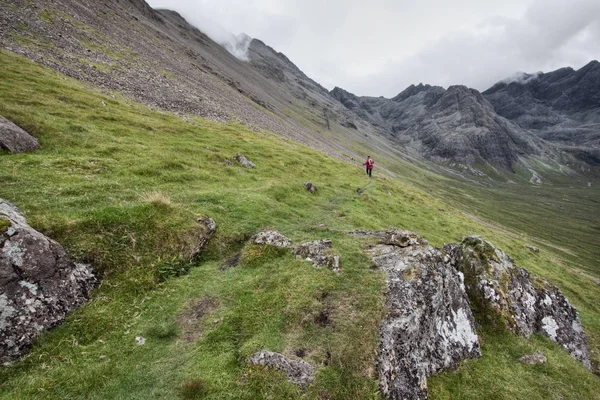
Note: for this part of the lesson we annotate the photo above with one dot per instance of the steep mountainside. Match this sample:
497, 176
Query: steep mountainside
156, 57
561, 106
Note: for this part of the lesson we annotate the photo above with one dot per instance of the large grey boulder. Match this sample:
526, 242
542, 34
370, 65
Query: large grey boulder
524, 302
15, 139
298, 372
429, 327
39, 283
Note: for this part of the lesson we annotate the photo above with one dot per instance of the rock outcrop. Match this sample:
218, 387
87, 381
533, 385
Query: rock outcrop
320, 253
272, 238
429, 327
524, 302
244, 161
209, 226
15, 139
310, 187
39, 283
430, 295
299, 372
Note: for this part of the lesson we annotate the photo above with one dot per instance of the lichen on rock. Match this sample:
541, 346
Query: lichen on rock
39, 284
320, 253
298, 372
524, 302
429, 327
272, 238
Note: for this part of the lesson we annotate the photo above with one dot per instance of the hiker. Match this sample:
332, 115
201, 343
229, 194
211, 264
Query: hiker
369, 164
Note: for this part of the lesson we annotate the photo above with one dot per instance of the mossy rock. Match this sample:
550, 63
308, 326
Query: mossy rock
4, 224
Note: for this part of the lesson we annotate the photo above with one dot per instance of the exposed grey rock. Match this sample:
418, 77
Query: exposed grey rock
209, 227
310, 187
533, 359
393, 236
299, 372
532, 248
228, 163
429, 327
244, 161
39, 283
561, 106
140, 340
320, 253
273, 238
526, 303
15, 139
457, 125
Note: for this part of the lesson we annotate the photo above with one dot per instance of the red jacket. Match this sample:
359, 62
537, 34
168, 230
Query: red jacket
369, 163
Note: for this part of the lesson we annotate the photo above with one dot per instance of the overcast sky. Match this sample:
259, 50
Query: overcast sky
379, 47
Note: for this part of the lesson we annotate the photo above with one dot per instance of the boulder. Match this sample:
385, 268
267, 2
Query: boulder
524, 302
39, 284
534, 359
272, 238
310, 187
15, 139
320, 253
244, 161
429, 327
532, 248
298, 372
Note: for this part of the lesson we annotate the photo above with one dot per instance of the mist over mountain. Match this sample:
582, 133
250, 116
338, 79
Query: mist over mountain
560, 106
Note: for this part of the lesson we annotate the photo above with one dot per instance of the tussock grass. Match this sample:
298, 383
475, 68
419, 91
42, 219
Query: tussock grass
83, 189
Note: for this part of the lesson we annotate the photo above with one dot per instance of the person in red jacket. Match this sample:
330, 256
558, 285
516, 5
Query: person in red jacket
369, 164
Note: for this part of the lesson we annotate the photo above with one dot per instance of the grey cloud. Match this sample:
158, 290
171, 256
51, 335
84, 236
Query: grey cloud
382, 46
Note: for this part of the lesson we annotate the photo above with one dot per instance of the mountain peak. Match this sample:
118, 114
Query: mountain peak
411, 91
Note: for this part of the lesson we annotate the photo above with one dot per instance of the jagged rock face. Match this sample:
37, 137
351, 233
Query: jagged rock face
429, 327
299, 372
457, 124
15, 139
462, 126
561, 106
526, 303
39, 283
320, 253
272, 238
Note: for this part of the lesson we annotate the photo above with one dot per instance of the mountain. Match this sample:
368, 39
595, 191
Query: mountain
147, 129
158, 58
562, 106
453, 125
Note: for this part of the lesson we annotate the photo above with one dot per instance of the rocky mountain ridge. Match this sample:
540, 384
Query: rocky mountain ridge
562, 107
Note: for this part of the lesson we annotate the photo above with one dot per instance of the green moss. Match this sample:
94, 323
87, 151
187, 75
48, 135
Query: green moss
4, 224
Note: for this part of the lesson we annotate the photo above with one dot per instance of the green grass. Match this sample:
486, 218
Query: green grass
120, 186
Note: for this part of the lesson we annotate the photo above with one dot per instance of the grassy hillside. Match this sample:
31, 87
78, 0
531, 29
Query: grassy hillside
120, 186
